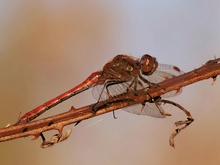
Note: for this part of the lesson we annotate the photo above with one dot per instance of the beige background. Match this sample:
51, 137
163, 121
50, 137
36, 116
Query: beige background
47, 47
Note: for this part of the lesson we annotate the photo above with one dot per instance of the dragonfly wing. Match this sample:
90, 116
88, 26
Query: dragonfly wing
162, 73
150, 109
100, 92
174, 70
96, 92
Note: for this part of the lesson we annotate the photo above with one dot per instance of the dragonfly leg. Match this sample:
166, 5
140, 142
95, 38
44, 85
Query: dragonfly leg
143, 105
110, 83
130, 85
185, 123
135, 82
151, 99
77, 123
162, 112
114, 115
96, 107
106, 86
151, 85
147, 82
157, 102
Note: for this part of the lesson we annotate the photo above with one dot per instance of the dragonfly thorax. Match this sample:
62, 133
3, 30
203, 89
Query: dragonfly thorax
122, 67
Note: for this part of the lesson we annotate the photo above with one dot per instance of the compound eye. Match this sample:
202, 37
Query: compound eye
148, 64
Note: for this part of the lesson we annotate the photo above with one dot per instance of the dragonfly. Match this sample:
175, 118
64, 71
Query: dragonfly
150, 108
121, 74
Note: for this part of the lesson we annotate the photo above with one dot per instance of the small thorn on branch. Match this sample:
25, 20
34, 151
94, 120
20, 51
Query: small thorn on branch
72, 108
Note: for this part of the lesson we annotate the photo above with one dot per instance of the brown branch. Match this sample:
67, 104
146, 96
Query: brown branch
210, 70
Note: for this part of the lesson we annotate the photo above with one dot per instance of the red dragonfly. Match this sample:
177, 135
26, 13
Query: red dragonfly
163, 72
123, 72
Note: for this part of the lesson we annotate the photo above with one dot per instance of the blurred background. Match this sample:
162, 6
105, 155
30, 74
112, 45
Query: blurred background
48, 47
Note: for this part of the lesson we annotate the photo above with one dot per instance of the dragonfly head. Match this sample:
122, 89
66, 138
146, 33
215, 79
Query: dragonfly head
148, 64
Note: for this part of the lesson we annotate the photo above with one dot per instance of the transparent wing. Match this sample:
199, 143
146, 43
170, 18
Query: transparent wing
100, 92
162, 73
150, 109
174, 70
